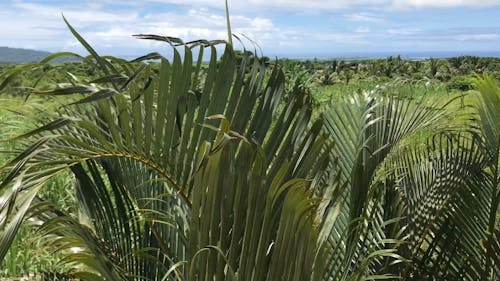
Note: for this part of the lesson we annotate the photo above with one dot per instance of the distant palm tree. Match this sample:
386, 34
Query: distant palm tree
433, 66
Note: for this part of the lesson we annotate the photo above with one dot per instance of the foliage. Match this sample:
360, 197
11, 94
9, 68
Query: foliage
461, 83
186, 171
330, 72
28, 253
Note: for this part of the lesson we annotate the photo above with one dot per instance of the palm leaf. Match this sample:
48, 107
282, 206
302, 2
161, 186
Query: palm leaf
158, 180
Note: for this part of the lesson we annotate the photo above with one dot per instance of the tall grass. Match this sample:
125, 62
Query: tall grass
29, 254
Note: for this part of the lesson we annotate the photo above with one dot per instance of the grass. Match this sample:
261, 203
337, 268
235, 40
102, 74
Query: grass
29, 254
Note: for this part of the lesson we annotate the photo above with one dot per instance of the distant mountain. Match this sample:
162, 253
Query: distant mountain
15, 55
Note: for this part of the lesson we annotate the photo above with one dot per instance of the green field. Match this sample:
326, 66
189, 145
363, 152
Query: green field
243, 168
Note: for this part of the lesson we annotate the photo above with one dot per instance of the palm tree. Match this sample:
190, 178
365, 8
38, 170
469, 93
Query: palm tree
433, 67
179, 174
192, 171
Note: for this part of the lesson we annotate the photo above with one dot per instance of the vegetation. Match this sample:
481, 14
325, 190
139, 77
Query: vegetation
241, 169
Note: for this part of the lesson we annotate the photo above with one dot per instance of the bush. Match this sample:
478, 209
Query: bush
461, 83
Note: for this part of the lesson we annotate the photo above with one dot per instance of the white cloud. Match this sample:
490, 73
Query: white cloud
476, 37
339, 38
443, 3
314, 5
260, 24
109, 30
362, 29
364, 17
446, 36
253, 5
404, 31
81, 14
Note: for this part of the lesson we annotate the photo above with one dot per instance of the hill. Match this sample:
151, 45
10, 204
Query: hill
16, 55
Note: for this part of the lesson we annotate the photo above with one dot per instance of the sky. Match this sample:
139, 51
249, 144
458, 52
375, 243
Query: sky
284, 28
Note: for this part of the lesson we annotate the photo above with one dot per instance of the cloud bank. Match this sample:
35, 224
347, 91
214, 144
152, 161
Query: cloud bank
280, 27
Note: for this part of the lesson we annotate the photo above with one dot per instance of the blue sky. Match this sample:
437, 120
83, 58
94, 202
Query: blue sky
280, 27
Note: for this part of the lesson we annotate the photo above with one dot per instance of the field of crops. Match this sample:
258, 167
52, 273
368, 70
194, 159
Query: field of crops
244, 168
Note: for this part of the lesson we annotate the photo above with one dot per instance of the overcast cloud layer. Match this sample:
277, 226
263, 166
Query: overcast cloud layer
280, 27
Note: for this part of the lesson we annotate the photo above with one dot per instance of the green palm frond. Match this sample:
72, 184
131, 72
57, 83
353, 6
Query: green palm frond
444, 205
172, 158
489, 111
366, 130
